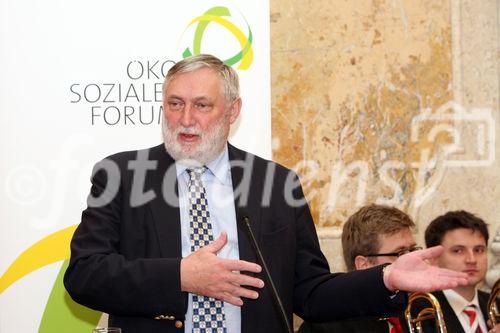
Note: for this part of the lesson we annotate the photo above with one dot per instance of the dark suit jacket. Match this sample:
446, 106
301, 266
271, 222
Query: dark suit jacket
353, 325
125, 259
451, 321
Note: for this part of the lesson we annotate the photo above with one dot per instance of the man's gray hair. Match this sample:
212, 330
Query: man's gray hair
229, 77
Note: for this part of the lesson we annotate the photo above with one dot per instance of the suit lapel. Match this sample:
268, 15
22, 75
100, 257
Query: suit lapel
451, 320
402, 320
165, 206
483, 303
242, 170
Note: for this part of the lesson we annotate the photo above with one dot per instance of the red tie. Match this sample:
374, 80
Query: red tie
396, 325
470, 311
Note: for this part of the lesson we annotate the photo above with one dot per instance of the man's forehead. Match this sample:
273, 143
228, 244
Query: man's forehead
197, 80
402, 238
463, 236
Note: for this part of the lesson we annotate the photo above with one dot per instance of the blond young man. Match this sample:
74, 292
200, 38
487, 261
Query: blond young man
372, 236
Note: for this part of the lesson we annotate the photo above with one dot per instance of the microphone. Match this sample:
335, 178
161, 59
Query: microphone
246, 223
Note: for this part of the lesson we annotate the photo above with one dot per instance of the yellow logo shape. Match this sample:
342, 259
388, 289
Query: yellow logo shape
216, 15
48, 250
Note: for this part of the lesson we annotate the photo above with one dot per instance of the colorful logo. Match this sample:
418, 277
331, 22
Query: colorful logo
222, 16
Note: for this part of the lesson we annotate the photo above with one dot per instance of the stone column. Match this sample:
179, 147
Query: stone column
476, 75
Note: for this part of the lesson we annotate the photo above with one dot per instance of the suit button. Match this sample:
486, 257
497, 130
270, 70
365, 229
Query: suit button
178, 324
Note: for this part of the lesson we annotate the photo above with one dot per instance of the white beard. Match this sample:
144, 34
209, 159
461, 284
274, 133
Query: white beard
211, 144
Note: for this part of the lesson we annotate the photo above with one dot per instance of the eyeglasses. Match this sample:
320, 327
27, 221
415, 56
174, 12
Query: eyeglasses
395, 254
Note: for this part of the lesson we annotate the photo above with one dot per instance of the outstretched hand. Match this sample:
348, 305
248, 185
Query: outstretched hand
411, 272
203, 273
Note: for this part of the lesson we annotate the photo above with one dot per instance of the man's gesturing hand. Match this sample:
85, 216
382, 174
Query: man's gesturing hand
203, 273
412, 272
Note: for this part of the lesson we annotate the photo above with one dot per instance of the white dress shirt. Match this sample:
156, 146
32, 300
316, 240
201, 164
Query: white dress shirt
458, 304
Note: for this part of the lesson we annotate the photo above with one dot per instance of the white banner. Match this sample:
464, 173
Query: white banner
82, 80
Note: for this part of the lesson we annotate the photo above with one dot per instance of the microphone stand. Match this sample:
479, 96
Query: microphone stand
274, 292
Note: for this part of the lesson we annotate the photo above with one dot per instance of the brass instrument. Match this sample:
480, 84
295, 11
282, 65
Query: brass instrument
432, 312
492, 304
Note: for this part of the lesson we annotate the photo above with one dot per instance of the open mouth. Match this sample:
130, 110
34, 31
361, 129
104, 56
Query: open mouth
186, 137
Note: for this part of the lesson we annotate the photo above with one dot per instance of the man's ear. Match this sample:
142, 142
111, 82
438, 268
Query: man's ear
361, 262
234, 110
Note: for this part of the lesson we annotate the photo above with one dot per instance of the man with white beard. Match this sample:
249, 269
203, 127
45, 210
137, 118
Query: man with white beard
160, 247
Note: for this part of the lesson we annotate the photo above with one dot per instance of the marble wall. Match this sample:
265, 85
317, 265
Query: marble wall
388, 101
